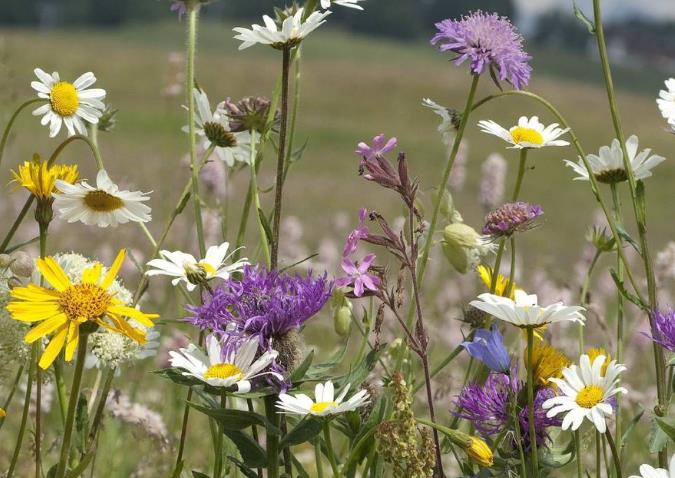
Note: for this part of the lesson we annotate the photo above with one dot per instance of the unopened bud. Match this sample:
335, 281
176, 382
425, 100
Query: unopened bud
342, 320
5, 260
22, 264
13, 282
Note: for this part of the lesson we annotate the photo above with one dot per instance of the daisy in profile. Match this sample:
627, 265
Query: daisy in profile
529, 133
586, 393
104, 205
449, 120
61, 310
293, 30
666, 102
214, 127
524, 311
228, 368
324, 403
186, 268
648, 471
325, 4
72, 104
608, 165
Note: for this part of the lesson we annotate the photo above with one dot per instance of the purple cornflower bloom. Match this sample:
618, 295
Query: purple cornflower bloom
664, 328
488, 347
510, 218
379, 147
487, 41
358, 276
265, 304
361, 232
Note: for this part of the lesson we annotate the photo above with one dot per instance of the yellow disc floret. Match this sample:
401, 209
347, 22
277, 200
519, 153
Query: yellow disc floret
526, 135
223, 371
84, 302
101, 201
322, 406
64, 99
590, 396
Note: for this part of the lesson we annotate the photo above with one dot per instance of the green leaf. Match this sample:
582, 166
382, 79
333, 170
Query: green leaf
583, 18
297, 154
622, 290
302, 473
178, 378
623, 234
81, 424
318, 372
557, 457
236, 420
299, 373
251, 453
199, 474
249, 473
631, 426
178, 470
183, 202
82, 465
303, 432
641, 203
266, 226
658, 439
667, 428
356, 376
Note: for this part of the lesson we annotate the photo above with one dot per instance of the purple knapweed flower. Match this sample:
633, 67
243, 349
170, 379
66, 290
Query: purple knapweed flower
488, 41
488, 347
353, 238
358, 276
510, 218
380, 147
664, 328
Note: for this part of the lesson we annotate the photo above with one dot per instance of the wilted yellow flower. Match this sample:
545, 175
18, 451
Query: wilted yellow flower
485, 274
595, 353
38, 177
548, 362
479, 452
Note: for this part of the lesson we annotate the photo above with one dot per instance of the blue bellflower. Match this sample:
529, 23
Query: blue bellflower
488, 347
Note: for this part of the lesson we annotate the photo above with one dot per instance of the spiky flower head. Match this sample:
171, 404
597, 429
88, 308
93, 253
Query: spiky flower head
488, 42
511, 218
664, 328
39, 177
249, 113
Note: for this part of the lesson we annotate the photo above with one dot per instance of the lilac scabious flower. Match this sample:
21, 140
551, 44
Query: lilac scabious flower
510, 218
488, 347
488, 41
664, 328
380, 147
358, 276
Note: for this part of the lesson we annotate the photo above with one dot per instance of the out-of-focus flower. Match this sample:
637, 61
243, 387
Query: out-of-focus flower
3, 414
227, 368
325, 403
524, 310
380, 147
488, 347
666, 102
184, 267
293, 30
528, 134
450, 120
486, 275
489, 42
596, 352
665, 262
147, 421
586, 393
648, 471
511, 218
664, 328
71, 104
249, 113
111, 350
40, 179
104, 205
325, 4
358, 276
492, 181
547, 362
608, 166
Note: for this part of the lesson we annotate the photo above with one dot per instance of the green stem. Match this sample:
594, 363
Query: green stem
272, 440
12, 390
521, 173
218, 466
294, 110
615, 455
60, 389
598, 442
72, 406
619, 316
12, 119
530, 404
498, 265
24, 416
577, 447
264, 240
318, 459
329, 449
38, 371
17, 222
519, 437
583, 299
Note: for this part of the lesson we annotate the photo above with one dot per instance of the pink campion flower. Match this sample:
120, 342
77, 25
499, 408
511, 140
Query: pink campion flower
379, 148
357, 234
358, 276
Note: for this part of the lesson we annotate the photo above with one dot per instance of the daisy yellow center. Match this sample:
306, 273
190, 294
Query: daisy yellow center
527, 135
101, 201
64, 99
223, 371
84, 301
590, 396
206, 267
322, 406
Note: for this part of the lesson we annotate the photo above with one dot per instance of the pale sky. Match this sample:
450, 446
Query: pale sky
611, 8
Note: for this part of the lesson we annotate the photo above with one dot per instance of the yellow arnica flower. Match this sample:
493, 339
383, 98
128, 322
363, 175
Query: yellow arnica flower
595, 353
40, 178
485, 274
548, 362
62, 310
3, 413
479, 452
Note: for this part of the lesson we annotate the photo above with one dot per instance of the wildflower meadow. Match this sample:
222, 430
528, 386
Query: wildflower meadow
183, 329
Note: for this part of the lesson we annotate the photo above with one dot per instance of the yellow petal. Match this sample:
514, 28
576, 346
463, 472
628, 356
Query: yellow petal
45, 328
3, 414
141, 317
114, 269
32, 312
73, 339
127, 330
53, 349
34, 293
52, 272
92, 275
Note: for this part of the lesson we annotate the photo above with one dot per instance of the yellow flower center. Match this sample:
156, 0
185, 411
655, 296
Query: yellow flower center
223, 371
322, 406
64, 99
526, 135
206, 267
101, 201
84, 301
590, 396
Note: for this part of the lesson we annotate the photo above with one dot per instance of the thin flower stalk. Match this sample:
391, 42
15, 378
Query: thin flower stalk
264, 242
24, 415
534, 456
12, 120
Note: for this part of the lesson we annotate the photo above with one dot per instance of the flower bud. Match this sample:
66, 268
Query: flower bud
22, 264
108, 119
13, 282
342, 319
479, 452
459, 246
5, 260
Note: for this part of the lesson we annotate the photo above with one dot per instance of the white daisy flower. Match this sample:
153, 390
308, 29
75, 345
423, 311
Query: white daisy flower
224, 368
324, 403
666, 102
184, 267
446, 128
524, 311
325, 4
585, 392
647, 471
69, 103
292, 31
529, 133
104, 205
608, 166
214, 127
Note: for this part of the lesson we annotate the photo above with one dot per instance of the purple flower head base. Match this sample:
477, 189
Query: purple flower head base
379, 148
488, 347
664, 328
487, 41
511, 218
361, 232
358, 276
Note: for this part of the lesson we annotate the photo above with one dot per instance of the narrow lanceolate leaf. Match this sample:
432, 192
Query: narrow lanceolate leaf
251, 453
590, 26
303, 432
248, 472
667, 428
266, 226
658, 438
236, 419
299, 373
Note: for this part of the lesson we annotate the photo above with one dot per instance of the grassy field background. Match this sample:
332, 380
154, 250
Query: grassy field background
352, 89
